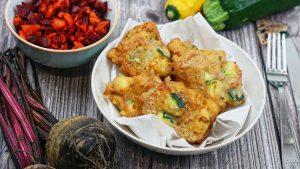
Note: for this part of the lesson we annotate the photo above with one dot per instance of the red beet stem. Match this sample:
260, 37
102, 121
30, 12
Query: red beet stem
40, 120
12, 142
28, 130
34, 104
25, 148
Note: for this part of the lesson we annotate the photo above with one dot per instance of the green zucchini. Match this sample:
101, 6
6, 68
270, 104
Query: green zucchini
219, 26
236, 95
215, 14
162, 53
194, 47
167, 118
179, 101
243, 11
208, 78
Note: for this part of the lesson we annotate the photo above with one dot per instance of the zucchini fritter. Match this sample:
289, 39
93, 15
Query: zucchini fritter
207, 71
206, 83
124, 92
142, 50
187, 110
164, 97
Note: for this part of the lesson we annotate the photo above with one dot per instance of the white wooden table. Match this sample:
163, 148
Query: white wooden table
67, 93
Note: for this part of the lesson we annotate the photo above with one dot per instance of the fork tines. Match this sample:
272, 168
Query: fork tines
276, 53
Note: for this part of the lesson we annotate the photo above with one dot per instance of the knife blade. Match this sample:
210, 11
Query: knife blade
293, 60
290, 159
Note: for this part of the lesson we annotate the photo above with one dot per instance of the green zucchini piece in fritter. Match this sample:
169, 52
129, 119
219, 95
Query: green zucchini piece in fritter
236, 95
179, 101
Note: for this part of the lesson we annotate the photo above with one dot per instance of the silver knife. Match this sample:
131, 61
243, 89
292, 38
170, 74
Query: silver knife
293, 60
288, 149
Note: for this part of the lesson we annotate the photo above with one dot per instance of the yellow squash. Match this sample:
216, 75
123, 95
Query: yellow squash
180, 9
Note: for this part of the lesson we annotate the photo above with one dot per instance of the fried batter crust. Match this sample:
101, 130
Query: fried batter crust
193, 112
141, 50
190, 104
207, 71
124, 92
195, 115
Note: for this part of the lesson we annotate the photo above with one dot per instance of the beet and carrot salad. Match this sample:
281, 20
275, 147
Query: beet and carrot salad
62, 24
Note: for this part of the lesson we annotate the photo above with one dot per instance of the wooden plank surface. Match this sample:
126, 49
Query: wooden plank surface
68, 92
288, 17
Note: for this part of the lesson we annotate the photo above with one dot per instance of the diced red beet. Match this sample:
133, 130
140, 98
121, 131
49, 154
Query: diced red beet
44, 42
101, 5
102, 9
90, 1
17, 21
45, 22
22, 11
33, 18
37, 3
64, 46
32, 38
77, 45
68, 18
31, 28
75, 9
83, 3
58, 24
62, 24
28, 5
102, 28
56, 40
84, 19
91, 37
73, 2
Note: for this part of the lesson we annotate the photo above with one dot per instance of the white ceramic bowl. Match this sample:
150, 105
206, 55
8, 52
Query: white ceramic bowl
60, 58
253, 83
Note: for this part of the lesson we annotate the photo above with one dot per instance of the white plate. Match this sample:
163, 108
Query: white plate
253, 84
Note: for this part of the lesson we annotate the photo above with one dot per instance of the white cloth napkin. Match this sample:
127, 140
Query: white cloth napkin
149, 127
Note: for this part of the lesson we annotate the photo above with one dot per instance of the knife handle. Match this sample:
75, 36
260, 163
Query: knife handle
285, 128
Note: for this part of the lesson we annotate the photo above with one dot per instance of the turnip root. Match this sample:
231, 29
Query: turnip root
80, 142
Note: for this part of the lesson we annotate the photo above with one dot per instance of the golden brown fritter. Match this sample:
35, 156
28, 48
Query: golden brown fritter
141, 50
207, 71
177, 47
164, 97
187, 110
195, 124
206, 82
124, 92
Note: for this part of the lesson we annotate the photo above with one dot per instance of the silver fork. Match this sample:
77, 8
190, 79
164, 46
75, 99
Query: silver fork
277, 76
